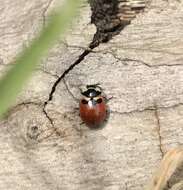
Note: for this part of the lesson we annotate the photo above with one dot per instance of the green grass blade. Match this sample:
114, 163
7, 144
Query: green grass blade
12, 83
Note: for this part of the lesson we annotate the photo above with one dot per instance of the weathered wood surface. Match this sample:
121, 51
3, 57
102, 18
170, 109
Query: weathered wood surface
141, 68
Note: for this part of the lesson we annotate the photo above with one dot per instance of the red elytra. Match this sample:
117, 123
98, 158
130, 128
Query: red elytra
93, 116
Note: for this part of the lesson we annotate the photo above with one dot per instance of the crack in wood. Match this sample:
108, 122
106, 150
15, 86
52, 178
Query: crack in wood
150, 50
133, 111
134, 60
40, 104
49, 73
145, 63
159, 132
150, 108
155, 110
24, 104
53, 89
48, 117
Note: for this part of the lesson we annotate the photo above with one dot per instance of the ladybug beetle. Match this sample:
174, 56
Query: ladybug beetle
92, 107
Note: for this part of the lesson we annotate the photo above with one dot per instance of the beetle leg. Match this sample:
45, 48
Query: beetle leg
82, 123
107, 99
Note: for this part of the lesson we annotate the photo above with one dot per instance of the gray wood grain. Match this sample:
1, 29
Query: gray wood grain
141, 68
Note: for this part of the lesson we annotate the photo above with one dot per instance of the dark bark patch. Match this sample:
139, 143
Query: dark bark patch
111, 16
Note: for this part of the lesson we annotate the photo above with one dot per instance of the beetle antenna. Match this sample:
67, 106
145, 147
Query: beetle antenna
81, 91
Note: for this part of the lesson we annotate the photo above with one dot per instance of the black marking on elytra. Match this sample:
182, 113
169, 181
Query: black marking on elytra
99, 100
83, 101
